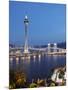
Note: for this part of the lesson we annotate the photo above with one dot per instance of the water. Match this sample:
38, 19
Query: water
39, 66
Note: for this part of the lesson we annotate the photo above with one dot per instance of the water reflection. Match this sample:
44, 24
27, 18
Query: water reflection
11, 61
39, 57
26, 61
34, 58
17, 60
55, 57
22, 58
37, 66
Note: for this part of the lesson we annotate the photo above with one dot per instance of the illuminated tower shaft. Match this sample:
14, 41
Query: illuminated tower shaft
26, 35
55, 47
49, 46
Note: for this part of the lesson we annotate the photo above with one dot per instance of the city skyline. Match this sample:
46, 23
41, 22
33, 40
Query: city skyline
46, 22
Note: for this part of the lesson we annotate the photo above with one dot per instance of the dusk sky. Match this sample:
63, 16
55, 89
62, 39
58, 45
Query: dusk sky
46, 22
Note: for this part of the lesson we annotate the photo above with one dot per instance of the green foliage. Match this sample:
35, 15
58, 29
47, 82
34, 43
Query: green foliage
61, 74
12, 85
17, 80
32, 85
52, 84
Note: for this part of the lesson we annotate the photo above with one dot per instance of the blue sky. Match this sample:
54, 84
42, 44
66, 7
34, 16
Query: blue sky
46, 22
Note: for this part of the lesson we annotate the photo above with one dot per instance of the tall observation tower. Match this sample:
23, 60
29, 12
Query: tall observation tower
26, 22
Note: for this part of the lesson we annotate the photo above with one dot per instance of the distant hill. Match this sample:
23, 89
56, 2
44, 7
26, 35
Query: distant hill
11, 45
60, 45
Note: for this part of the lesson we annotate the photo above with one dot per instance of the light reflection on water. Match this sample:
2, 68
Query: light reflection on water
38, 66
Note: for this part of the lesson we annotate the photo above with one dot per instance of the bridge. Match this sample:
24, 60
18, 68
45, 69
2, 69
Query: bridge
49, 50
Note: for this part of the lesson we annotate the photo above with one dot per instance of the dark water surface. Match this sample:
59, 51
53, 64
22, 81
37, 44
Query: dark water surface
38, 67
